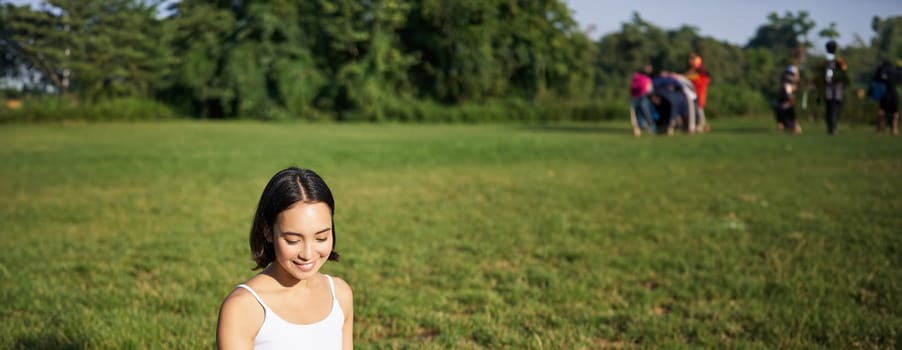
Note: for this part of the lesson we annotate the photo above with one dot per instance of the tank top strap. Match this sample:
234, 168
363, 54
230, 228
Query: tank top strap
331, 286
259, 300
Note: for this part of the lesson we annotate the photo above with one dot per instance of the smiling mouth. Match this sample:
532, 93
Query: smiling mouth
306, 267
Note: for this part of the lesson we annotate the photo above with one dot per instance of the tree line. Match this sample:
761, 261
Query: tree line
387, 59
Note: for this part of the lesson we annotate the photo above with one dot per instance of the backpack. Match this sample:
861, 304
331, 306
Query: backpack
876, 90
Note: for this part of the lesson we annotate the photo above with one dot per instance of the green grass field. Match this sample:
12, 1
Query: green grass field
570, 236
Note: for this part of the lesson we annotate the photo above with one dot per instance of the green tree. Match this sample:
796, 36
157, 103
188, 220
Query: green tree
888, 38
36, 41
637, 43
358, 46
725, 61
783, 34
454, 41
781, 41
243, 58
541, 51
830, 32
476, 51
80, 46
761, 70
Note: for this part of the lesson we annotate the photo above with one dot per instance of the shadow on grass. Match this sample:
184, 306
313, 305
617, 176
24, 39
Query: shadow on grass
592, 129
742, 130
47, 342
604, 129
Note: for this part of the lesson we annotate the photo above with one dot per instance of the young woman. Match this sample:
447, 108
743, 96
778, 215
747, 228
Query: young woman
290, 304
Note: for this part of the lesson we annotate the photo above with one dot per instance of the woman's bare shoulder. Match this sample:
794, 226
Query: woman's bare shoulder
240, 318
341, 286
241, 301
343, 291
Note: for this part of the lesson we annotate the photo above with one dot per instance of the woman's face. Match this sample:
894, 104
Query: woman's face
302, 238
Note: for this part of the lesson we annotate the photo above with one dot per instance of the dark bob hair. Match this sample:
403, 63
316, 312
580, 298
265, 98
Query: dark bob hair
286, 188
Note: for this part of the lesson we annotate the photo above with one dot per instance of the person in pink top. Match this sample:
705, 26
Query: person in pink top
290, 304
640, 107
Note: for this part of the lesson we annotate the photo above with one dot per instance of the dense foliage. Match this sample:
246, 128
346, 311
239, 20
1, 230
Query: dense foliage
406, 60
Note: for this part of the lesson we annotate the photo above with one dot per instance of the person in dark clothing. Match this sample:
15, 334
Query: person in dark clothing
786, 98
833, 77
888, 76
669, 96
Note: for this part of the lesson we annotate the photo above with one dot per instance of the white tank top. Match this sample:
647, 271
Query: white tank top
276, 333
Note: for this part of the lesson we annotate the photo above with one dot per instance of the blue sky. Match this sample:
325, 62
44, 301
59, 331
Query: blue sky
734, 20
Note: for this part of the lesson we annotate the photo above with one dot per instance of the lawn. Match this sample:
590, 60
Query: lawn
561, 236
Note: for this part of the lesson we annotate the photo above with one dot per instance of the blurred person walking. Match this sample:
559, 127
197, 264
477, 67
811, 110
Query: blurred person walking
784, 108
833, 78
886, 77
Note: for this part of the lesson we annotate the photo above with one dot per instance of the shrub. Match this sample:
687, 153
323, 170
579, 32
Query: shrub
584, 110
9, 93
54, 108
732, 100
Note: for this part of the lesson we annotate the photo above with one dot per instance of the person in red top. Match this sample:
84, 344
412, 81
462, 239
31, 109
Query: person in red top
700, 79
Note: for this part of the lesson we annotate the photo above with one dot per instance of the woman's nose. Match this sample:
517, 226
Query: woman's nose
306, 252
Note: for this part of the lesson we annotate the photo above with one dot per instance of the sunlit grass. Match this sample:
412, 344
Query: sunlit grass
495, 236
